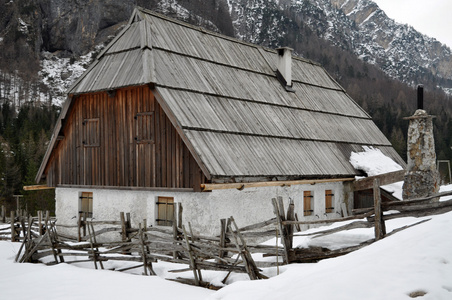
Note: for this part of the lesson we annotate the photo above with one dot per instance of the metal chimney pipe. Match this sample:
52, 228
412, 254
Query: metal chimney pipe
420, 96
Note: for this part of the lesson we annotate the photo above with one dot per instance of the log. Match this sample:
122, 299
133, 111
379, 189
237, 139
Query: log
416, 213
221, 186
387, 178
414, 206
354, 225
314, 254
361, 216
189, 281
258, 225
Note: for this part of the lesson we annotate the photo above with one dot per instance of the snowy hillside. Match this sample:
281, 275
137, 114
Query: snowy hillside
359, 26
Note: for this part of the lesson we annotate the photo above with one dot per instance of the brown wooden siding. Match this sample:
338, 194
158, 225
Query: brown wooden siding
125, 140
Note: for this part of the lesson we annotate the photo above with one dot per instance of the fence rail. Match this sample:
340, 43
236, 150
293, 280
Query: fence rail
229, 251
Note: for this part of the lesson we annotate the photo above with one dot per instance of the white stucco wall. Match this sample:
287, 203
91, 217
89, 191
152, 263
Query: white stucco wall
202, 210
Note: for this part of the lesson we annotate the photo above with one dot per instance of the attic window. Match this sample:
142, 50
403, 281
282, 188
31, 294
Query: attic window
329, 199
308, 203
144, 127
91, 132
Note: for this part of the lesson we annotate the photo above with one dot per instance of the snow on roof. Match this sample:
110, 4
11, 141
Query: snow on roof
373, 162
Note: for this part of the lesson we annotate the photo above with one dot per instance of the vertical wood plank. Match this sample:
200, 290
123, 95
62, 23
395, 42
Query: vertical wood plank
380, 229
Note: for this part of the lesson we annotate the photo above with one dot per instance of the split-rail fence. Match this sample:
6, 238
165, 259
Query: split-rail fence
231, 251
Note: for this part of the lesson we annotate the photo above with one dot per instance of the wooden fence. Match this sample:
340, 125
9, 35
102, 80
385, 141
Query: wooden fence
230, 251
20, 224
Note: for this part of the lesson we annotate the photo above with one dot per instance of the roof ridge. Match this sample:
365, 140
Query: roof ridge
219, 35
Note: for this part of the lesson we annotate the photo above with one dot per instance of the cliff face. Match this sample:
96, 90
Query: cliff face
78, 26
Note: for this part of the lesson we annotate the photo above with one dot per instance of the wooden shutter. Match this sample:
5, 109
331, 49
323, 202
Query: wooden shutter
86, 203
144, 128
329, 201
91, 132
307, 201
165, 211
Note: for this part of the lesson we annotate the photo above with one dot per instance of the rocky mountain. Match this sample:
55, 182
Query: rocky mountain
358, 26
70, 29
46, 44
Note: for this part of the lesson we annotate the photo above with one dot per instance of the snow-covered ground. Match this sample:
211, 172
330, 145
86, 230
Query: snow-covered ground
418, 259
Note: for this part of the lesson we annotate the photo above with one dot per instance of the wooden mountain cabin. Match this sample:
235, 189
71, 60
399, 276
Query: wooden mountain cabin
171, 113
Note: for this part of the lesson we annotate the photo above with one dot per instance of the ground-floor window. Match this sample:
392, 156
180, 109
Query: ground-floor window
165, 211
86, 204
308, 203
329, 200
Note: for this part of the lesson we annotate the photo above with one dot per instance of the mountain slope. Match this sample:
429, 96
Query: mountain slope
358, 26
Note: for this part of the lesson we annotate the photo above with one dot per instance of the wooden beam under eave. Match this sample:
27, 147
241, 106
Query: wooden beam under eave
387, 178
240, 186
37, 187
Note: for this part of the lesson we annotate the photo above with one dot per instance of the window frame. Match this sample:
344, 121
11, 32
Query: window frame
329, 201
88, 198
91, 132
144, 134
308, 197
166, 217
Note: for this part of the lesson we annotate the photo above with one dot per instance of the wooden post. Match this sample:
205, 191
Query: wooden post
3, 214
79, 226
84, 224
13, 229
128, 224
179, 215
290, 228
40, 222
175, 234
281, 230
222, 253
192, 259
248, 260
94, 252
123, 227
380, 229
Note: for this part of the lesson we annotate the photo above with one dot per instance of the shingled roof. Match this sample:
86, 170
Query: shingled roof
232, 110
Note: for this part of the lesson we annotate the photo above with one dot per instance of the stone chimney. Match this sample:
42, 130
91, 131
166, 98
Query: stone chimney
284, 71
421, 177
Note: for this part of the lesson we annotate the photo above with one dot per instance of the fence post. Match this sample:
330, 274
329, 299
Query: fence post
3, 214
13, 229
179, 215
123, 226
380, 228
222, 240
79, 227
40, 222
290, 228
280, 219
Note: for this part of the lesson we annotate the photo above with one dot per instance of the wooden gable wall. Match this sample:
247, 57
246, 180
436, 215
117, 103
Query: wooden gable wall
121, 141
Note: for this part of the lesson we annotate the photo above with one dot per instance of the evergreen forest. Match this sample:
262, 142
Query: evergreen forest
24, 136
